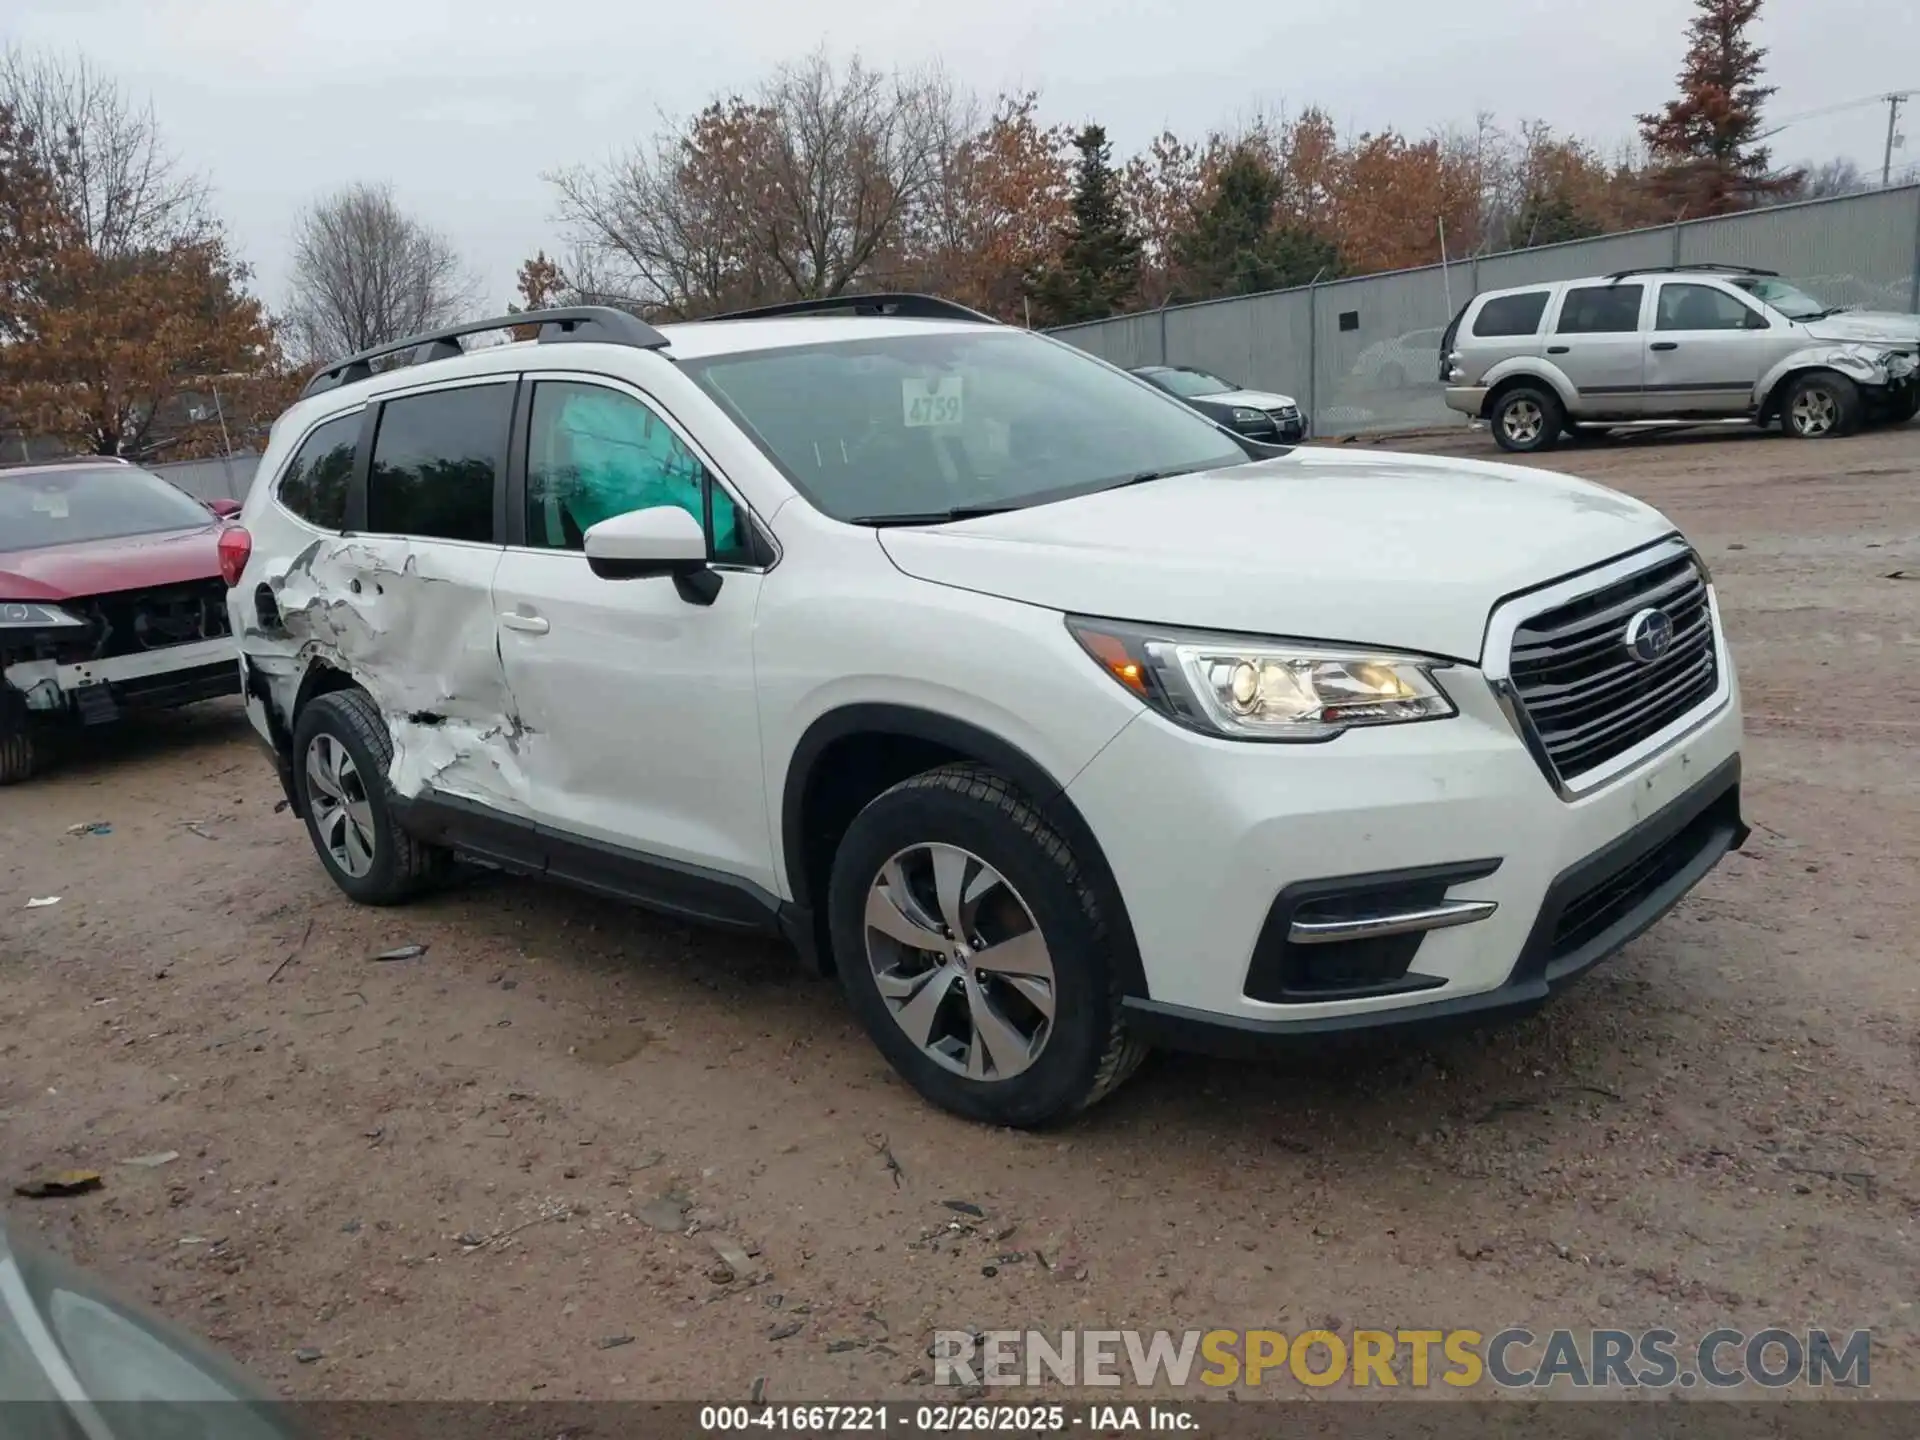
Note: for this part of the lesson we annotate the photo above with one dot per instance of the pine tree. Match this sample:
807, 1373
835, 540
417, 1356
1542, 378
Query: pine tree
1704, 143
1098, 271
1237, 247
1549, 220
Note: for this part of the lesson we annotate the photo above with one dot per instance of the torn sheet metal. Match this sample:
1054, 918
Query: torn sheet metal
414, 626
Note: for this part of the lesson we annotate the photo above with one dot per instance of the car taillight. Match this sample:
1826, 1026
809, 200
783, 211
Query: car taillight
236, 547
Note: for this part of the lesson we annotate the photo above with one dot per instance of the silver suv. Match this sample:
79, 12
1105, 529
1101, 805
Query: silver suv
1677, 344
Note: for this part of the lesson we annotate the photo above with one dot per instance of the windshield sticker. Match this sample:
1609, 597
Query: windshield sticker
51, 503
935, 402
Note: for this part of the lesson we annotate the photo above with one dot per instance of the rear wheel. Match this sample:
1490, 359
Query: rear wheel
1527, 418
1819, 406
341, 752
974, 952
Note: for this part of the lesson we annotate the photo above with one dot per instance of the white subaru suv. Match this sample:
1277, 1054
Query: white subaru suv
1057, 720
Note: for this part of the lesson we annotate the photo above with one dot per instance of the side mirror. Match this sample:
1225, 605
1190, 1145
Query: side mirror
661, 540
223, 508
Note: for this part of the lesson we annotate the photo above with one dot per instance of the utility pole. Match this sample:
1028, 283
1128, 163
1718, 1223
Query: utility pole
1894, 102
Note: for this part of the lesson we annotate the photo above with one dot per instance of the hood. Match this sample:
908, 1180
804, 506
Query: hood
1883, 326
98, 567
1407, 552
1253, 399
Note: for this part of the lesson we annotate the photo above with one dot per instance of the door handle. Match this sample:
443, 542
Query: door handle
525, 624
1558, 349
1664, 345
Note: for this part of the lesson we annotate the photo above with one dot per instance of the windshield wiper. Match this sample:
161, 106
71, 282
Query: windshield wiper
1144, 476
934, 517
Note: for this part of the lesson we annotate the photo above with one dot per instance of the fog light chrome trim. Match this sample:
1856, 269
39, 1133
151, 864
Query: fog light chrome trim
1404, 922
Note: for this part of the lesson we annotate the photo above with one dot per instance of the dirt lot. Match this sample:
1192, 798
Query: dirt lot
1718, 1127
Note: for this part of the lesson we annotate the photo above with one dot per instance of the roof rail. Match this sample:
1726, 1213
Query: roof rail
599, 323
899, 304
1707, 266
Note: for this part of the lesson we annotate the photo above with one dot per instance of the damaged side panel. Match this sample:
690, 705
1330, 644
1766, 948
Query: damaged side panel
412, 623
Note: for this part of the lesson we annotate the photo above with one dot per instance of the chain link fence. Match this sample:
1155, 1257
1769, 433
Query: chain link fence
1364, 355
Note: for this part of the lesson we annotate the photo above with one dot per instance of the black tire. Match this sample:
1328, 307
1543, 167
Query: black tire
1820, 405
19, 757
401, 866
1087, 1051
1904, 409
1527, 419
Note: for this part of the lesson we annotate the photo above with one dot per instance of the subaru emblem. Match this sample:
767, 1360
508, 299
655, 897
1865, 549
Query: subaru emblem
1649, 635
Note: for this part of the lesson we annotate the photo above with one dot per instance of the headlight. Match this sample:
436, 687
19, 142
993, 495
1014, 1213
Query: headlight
27, 614
1244, 416
1252, 689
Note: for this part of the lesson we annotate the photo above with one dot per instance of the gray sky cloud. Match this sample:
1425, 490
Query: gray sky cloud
463, 103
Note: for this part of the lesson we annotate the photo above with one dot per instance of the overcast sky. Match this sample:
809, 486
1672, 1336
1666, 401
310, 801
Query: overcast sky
462, 104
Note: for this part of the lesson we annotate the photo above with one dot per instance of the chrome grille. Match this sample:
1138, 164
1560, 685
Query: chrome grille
1586, 695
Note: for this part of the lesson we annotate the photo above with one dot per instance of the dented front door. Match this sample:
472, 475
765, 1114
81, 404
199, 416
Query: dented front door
641, 732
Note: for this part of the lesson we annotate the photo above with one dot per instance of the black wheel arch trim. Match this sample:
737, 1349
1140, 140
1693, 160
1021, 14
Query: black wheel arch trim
1046, 792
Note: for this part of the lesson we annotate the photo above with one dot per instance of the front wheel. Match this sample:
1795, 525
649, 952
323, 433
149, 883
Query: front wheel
1527, 419
1820, 406
975, 953
18, 756
341, 751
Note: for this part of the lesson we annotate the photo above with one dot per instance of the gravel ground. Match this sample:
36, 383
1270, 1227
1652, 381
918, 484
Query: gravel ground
461, 1175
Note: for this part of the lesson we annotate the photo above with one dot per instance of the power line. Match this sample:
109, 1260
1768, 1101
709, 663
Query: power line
1883, 98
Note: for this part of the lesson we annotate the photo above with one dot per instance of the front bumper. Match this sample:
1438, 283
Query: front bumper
97, 692
1273, 428
1236, 825
1630, 884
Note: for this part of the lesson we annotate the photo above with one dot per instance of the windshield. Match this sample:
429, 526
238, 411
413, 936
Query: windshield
1789, 300
1191, 383
990, 418
64, 506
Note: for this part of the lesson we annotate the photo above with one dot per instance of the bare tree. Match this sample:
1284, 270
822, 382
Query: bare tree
1839, 176
115, 178
798, 191
366, 273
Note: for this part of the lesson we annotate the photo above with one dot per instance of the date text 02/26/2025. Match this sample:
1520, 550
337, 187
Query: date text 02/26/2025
958, 1419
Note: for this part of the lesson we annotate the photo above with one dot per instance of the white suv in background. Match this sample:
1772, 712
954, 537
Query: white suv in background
1056, 719
1675, 344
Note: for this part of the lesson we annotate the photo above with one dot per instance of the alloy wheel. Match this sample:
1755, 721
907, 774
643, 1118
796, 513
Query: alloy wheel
960, 962
342, 814
1814, 412
1522, 420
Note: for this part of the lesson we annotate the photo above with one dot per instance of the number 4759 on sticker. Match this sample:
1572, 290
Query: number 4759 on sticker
936, 402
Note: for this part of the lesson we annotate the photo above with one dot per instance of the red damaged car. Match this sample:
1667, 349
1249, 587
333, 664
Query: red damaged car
111, 601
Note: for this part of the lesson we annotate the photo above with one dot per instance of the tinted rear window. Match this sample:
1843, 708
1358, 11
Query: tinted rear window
1511, 314
435, 460
315, 485
1600, 310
